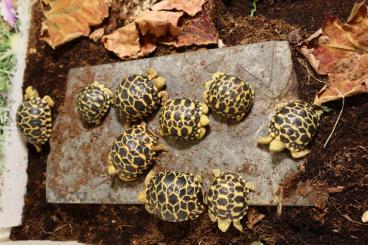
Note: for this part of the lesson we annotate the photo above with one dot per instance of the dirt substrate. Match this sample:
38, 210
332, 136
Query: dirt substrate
344, 162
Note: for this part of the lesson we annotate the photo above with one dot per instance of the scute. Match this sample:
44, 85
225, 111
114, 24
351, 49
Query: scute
174, 196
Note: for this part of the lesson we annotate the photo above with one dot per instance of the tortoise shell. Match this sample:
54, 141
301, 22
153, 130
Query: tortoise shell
174, 196
295, 124
34, 120
181, 118
228, 197
133, 152
229, 96
93, 102
136, 97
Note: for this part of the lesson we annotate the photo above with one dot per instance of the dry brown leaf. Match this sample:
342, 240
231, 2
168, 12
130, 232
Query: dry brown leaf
197, 31
159, 23
69, 19
191, 7
97, 34
253, 217
124, 42
350, 78
341, 51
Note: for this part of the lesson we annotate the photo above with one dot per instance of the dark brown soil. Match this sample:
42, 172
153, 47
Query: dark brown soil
344, 162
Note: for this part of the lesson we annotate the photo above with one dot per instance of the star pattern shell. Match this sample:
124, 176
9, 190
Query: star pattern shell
133, 152
174, 196
136, 98
34, 120
295, 124
93, 103
229, 96
180, 118
228, 197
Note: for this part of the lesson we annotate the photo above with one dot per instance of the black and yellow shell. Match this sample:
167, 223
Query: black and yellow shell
228, 197
181, 118
295, 124
93, 103
34, 120
229, 96
136, 97
174, 196
133, 152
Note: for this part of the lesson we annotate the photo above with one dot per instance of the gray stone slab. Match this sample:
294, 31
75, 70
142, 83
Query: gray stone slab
76, 171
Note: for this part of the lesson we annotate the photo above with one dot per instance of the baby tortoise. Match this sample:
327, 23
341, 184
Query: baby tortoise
139, 95
173, 196
133, 152
34, 118
228, 95
93, 103
293, 127
183, 119
228, 199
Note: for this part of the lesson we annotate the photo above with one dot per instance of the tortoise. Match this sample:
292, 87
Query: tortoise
173, 196
93, 102
228, 95
133, 152
228, 199
292, 127
139, 95
34, 119
183, 118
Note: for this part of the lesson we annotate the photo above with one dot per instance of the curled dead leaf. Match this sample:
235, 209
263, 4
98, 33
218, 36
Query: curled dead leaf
97, 34
124, 42
197, 31
253, 217
159, 23
191, 7
340, 51
69, 19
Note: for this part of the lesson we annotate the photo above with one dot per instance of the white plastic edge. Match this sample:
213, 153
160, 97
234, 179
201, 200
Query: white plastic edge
14, 178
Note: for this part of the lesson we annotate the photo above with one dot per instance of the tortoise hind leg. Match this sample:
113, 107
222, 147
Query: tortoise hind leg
300, 154
48, 100
30, 93
238, 225
212, 217
38, 148
224, 224
264, 140
159, 147
277, 145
